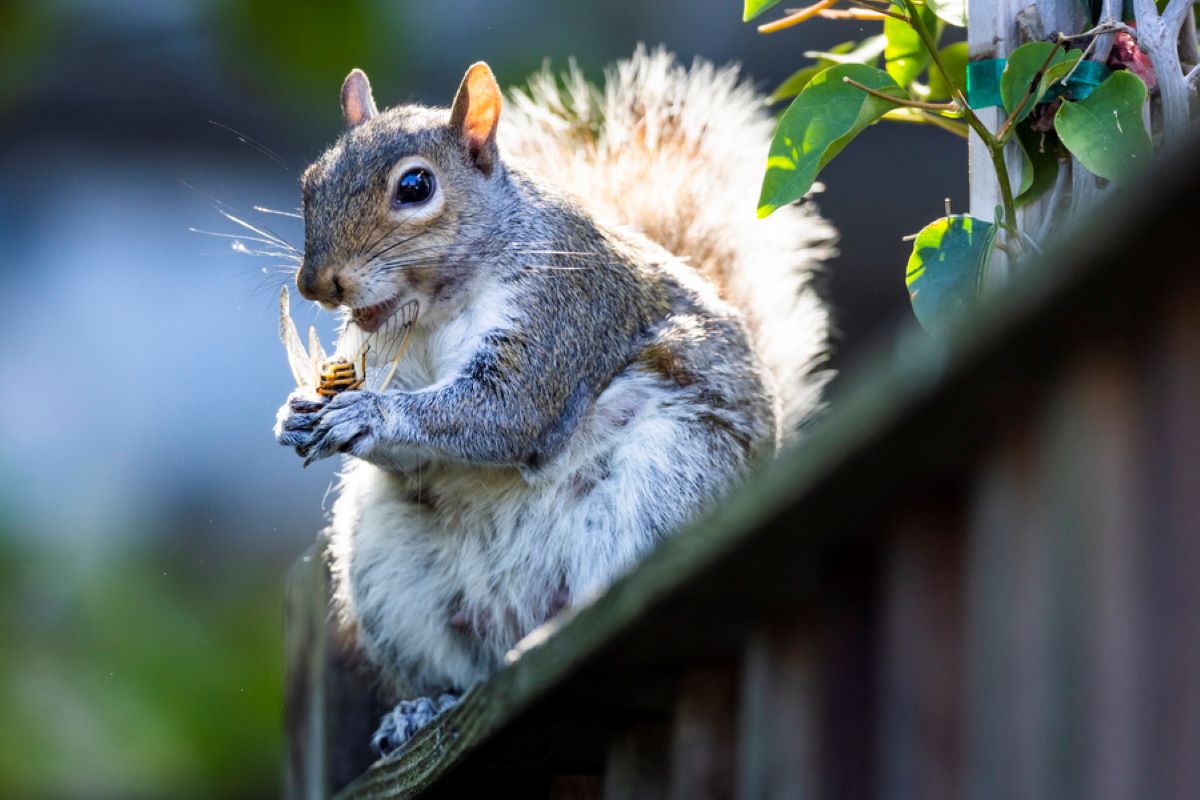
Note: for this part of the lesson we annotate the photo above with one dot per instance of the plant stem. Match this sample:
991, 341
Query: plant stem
899, 101
1006, 196
915, 116
1102, 27
863, 14
994, 146
955, 90
887, 12
957, 128
796, 18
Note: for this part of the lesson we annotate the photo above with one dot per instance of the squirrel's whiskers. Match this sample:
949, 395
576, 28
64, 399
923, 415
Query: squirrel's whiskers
270, 244
259, 241
277, 212
443, 256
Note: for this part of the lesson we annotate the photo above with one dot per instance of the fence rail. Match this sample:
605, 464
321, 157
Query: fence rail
978, 577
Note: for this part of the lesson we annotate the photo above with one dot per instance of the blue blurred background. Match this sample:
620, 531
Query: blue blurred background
147, 518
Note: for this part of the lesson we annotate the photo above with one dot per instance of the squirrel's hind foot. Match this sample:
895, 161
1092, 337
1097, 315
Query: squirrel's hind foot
409, 716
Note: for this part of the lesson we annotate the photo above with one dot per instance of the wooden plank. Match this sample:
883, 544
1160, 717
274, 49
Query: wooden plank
702, 735
576, 787
330, 709
1088, 473
637, 766
921, 669
305, 609
1170, 551
1104, 501
1005, 599
1055, 681
1061, 654
849, 675
779, 733
921, 411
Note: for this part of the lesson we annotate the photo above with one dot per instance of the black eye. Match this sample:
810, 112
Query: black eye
414, 186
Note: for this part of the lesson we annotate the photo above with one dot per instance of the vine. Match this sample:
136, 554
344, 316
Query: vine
1078, 95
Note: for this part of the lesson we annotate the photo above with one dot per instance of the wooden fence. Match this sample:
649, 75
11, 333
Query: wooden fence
979, 577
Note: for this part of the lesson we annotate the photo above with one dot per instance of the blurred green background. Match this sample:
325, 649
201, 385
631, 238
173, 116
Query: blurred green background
147, 518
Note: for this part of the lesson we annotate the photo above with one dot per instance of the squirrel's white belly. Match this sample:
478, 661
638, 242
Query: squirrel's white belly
443, 569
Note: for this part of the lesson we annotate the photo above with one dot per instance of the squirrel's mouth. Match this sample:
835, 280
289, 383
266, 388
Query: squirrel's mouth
371, 318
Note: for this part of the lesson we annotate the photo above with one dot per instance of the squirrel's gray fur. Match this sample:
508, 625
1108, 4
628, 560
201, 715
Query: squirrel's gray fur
607, 339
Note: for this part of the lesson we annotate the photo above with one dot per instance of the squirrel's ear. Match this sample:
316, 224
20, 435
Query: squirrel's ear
476, 113
358, 105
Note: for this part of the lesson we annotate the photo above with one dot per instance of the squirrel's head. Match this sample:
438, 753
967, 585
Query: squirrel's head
391, 211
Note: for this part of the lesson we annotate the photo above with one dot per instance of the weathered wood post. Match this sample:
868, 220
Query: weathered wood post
994, 29
329, 704
1168, 38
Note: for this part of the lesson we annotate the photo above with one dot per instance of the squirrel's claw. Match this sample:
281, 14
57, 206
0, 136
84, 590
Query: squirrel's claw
296, 439
305, 405
347, 424
300, 422
296, 420
408, 717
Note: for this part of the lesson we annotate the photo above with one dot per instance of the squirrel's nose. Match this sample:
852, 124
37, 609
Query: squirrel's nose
321, 285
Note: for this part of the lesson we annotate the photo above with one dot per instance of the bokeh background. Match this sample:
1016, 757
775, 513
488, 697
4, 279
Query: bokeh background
147, 519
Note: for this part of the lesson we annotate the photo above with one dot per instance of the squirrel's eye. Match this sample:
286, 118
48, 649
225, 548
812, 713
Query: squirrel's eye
414, 186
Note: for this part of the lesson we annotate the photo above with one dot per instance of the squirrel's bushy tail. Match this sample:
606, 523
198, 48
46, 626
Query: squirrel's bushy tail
678, 154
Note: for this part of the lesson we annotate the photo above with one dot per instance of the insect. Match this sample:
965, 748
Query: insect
359, 361
340, 375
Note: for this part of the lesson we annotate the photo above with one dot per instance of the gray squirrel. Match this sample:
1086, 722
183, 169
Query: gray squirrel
608, 339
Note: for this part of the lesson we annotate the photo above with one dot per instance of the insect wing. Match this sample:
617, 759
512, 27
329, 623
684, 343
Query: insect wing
391, 343
298, 357
316, 354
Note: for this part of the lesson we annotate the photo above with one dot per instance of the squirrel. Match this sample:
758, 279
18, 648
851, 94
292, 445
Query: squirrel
608, 340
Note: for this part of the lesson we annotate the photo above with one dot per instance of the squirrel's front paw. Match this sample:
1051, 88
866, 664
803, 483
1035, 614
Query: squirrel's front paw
349, 423
408, 717
296, 419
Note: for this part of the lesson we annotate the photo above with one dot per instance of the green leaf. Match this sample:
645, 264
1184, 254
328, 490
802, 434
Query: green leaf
795, 83
953, 12
1105, 131
753, 8
1024, 68
1059, 70
817, 125
1039, 163
954, 59
905, 53
865, 52
800, 78
838, 50
946, 268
